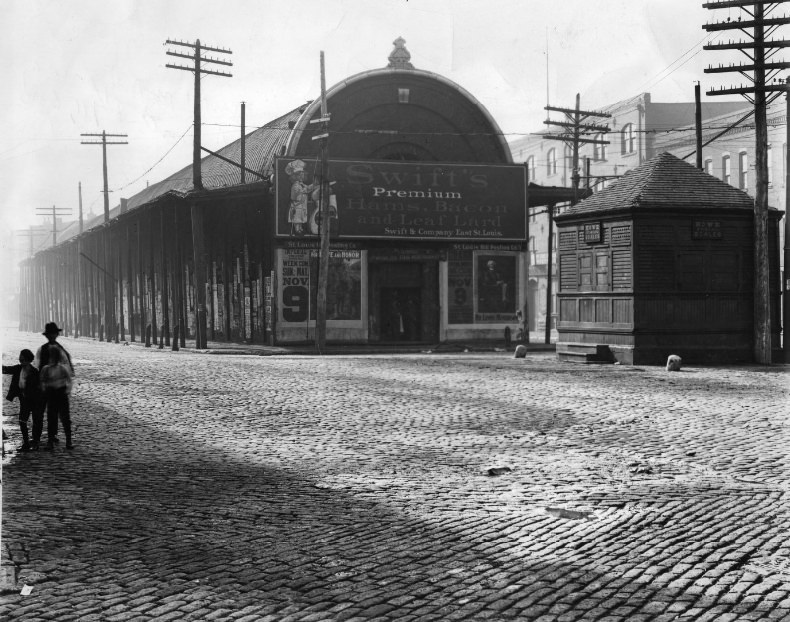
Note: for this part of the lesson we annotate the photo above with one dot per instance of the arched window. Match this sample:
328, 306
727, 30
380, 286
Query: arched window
551, 162
743, 170
726, 169
627, 144
531, 168
709, 166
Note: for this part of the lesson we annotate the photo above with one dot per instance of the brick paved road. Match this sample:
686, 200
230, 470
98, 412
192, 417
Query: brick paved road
207, 487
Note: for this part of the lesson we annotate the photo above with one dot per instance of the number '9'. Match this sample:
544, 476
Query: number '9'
296, 303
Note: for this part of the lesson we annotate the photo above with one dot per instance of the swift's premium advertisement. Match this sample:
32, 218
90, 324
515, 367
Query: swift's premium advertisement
402, 200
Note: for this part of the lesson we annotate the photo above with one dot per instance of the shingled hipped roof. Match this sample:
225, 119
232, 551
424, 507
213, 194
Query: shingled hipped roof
664, 181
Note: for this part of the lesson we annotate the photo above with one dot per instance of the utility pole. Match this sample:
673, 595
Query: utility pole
698, 123
324, 226
55, 213
243, 145
574, 125
786, 262
759, 71
198, 59
79, 298
109, 295
104, 142
30, 235
201, 340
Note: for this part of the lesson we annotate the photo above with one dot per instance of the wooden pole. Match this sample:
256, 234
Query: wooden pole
141, 278
323, 255
152, 274
549, 270
182, 312
785, 276
243, 155
698, 122
197, 180
198, 248
130, 281
164, 285
762, 296
119, 253
575, 155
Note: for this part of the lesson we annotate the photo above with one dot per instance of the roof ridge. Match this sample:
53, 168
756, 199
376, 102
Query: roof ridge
665, 181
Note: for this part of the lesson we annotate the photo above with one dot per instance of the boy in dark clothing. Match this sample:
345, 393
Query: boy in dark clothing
51, 332
56, 384
25, 386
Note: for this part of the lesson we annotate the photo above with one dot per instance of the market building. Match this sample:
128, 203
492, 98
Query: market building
428, 230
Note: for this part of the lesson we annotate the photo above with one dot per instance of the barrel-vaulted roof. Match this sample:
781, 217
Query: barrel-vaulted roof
402, 113
664, 181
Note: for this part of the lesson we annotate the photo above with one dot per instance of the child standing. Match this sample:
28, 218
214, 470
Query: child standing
24, 385
56, 384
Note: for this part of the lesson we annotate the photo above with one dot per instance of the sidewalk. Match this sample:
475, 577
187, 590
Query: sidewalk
338, 349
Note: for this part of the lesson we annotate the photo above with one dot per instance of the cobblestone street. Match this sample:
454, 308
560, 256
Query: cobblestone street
293, 487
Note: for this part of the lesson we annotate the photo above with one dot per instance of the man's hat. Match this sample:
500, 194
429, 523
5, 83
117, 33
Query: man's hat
51, 328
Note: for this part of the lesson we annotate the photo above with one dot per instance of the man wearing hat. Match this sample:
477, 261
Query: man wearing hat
51, 332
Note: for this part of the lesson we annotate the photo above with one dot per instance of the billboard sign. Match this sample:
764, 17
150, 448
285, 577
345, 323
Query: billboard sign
403, 200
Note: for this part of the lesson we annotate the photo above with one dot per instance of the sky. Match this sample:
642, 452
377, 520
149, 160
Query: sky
87, 66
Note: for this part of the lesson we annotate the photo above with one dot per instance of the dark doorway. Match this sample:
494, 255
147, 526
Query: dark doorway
400, 313
403, 302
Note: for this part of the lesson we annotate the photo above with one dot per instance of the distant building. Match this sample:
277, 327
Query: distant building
639, 130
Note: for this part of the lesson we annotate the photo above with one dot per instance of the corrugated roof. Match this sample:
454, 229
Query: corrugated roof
664, 181
260, 148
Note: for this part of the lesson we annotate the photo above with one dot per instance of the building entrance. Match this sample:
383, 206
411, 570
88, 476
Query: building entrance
404, 301
400, 313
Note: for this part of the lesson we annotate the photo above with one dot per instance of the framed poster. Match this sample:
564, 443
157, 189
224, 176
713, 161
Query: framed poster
496, 295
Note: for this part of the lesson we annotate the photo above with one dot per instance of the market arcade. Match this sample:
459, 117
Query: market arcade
428, 230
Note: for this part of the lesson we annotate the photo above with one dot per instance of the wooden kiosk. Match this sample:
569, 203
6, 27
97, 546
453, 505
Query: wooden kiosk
659, 263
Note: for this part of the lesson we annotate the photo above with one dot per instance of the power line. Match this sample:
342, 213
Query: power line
157, 162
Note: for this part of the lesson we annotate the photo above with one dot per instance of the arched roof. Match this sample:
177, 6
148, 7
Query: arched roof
395, 113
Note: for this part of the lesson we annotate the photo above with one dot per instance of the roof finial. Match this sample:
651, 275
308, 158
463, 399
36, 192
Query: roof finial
399, 57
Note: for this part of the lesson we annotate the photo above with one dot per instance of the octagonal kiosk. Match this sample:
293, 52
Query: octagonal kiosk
662, 262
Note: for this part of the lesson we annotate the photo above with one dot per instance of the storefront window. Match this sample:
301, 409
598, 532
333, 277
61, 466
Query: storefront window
299, 285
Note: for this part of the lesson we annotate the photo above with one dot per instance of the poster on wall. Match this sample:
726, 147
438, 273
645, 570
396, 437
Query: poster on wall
299, 289
495, 280
295, 285
344, 285
267, 301
460, 288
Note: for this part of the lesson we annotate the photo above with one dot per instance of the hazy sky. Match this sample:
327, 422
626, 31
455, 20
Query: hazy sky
84, 66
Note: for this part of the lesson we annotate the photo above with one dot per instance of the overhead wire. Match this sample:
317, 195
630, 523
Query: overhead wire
155, 164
